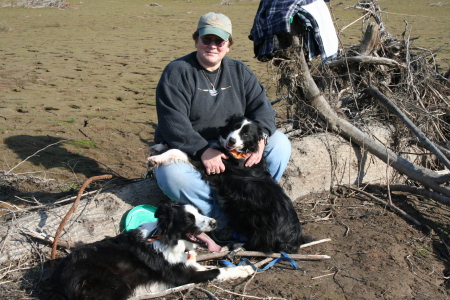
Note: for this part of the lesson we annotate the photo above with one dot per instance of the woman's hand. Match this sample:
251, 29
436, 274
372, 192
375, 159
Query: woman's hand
212, 161
255, 157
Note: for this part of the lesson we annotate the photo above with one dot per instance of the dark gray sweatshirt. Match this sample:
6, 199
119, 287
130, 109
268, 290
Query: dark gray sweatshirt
188, 115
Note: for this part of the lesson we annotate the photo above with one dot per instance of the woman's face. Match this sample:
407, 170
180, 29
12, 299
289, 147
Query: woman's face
211, 49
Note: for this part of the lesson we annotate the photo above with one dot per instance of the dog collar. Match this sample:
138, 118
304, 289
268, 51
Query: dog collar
154, 235
238, 155
190, 257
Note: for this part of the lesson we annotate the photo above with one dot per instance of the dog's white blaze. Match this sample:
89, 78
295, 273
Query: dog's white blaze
236, 135
172, 255
201, 221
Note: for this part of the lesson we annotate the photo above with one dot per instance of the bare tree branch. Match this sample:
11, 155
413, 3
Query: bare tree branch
420, 191
423, 139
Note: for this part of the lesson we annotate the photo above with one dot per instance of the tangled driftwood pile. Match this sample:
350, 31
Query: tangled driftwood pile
382, 80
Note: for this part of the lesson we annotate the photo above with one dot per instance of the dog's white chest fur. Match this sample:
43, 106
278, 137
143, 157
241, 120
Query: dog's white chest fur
175, 254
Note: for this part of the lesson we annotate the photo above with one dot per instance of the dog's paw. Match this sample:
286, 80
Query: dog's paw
168, 157
155, 160
248, 270
235, 273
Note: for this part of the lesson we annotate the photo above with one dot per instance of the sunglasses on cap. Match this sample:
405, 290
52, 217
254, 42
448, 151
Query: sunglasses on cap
208, 41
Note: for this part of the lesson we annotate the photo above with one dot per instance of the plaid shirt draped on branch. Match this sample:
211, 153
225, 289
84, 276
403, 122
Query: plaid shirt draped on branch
272, 18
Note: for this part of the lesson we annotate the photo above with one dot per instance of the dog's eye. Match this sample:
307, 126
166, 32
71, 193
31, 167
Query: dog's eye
191, 218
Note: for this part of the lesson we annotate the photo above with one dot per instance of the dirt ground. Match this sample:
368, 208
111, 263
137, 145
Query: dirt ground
77, 89
374, 254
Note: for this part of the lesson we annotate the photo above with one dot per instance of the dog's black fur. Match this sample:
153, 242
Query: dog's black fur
114, 267
257, 205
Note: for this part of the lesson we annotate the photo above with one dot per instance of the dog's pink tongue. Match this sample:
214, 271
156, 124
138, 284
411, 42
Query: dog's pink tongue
212, 246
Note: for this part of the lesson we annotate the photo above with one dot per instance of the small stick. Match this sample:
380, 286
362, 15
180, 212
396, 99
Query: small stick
47, 239
347, 229
262, 254
315, 243
322, 276
244, 253
214, 255
55, 203
263, 262
345, 27
34, 154
72, 209
276, 255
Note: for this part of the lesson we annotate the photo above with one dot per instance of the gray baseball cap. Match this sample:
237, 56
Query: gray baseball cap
217, 24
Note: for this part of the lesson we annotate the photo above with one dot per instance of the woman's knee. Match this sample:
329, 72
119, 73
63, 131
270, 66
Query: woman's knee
174, 178
277, 154
279, 146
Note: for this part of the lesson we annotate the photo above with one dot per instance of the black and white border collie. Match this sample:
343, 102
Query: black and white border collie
256, 204
152, 256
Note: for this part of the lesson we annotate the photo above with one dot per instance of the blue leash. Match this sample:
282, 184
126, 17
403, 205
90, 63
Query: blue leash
284, 257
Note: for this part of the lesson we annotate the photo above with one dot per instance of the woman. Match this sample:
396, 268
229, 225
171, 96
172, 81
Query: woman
195, 96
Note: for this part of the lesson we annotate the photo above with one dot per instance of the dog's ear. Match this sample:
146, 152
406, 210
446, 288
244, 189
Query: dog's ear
164, 214
257, 134
260, 131
231, 118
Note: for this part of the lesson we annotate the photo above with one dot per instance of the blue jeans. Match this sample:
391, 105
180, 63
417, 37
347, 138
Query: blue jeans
182, 183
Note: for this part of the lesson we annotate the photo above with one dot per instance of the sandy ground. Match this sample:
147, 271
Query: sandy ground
77, 93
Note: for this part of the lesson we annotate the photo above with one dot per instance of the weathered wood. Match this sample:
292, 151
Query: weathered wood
363, 59
420, 191
371, 39
97, 216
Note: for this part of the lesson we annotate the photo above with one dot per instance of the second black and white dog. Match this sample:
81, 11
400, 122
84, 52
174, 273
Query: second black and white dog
153, 256
256, 204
